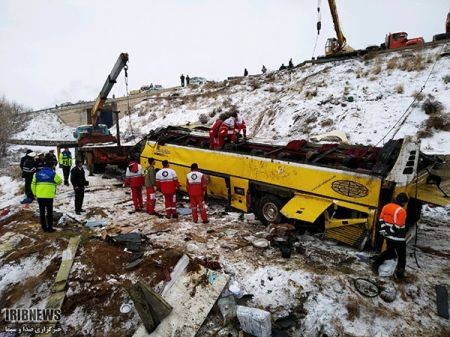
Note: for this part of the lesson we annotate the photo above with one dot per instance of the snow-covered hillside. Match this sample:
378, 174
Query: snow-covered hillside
363, 97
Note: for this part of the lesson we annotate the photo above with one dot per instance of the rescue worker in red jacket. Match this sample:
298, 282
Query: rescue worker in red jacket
196, 188
226, 130
392, 221
167, 183
135, 179
240, 126
214, 134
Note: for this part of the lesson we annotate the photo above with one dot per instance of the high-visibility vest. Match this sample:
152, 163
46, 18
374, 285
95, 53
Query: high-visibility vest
393, 220
44, 183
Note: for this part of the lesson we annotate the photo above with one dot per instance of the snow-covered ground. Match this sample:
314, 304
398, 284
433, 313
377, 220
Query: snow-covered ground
315, 287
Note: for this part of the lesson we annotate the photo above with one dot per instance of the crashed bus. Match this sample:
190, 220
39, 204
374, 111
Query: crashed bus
335, 188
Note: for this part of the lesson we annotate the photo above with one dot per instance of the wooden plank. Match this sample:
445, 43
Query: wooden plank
56, 299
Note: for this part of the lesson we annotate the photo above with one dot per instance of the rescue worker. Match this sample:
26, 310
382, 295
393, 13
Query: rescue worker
214, 133
28, 167
182, 80
167, 183
226, 130
150, 186
78, 180
196, 188
135, 179
51, 158
44, 189
65, 162
240, 126
392, 221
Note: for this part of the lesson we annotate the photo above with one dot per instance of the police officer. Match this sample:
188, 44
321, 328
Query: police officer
44, 188
392, 226
28, 166
65, 162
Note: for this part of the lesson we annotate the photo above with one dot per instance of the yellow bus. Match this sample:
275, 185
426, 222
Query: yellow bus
338, 189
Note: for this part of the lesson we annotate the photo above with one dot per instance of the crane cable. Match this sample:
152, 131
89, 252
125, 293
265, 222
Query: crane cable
408, 110
128, 101
319, 26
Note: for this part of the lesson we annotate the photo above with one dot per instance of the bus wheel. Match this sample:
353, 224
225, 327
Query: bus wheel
269, 208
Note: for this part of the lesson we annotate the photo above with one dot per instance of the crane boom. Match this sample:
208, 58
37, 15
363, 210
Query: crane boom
339, 45
109, 83
337, 27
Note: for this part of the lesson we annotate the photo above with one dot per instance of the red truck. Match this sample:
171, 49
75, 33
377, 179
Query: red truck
399, 40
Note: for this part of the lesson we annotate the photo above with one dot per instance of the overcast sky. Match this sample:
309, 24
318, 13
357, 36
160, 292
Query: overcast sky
54, 51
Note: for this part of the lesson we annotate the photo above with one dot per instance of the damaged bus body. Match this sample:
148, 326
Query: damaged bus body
338, 189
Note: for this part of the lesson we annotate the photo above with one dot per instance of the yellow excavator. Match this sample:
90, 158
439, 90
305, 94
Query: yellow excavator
335, 45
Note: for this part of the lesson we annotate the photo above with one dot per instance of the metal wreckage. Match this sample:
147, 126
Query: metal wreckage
334, 188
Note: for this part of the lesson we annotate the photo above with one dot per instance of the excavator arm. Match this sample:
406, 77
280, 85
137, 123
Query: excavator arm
109, 83
339, 45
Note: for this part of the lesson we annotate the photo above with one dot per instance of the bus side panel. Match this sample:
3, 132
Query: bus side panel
239, 191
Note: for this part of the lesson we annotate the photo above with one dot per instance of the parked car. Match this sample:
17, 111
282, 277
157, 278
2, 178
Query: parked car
197, 80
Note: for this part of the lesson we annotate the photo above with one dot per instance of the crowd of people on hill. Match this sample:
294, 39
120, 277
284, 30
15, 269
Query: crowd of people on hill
264, 69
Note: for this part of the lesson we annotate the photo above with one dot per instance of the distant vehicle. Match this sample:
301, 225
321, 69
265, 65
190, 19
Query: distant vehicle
197, 80
446, 35
145, 88
157, 87
134, 92
398, 40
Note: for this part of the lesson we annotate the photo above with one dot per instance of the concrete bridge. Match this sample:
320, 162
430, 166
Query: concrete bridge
76, 114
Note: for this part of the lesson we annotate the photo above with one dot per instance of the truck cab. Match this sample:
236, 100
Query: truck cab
85, 130
399, 40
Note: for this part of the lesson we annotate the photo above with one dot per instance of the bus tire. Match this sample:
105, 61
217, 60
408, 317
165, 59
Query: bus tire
268, 209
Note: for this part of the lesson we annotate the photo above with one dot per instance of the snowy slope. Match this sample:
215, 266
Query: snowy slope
315, 98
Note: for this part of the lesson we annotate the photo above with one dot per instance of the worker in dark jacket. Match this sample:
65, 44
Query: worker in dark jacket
65, 162
182, 80
28, 167
188, 79
392, 221
78, 180
44, 189
51, 159
150, 186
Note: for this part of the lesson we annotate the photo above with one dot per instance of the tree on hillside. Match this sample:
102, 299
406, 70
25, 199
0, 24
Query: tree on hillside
12, 118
